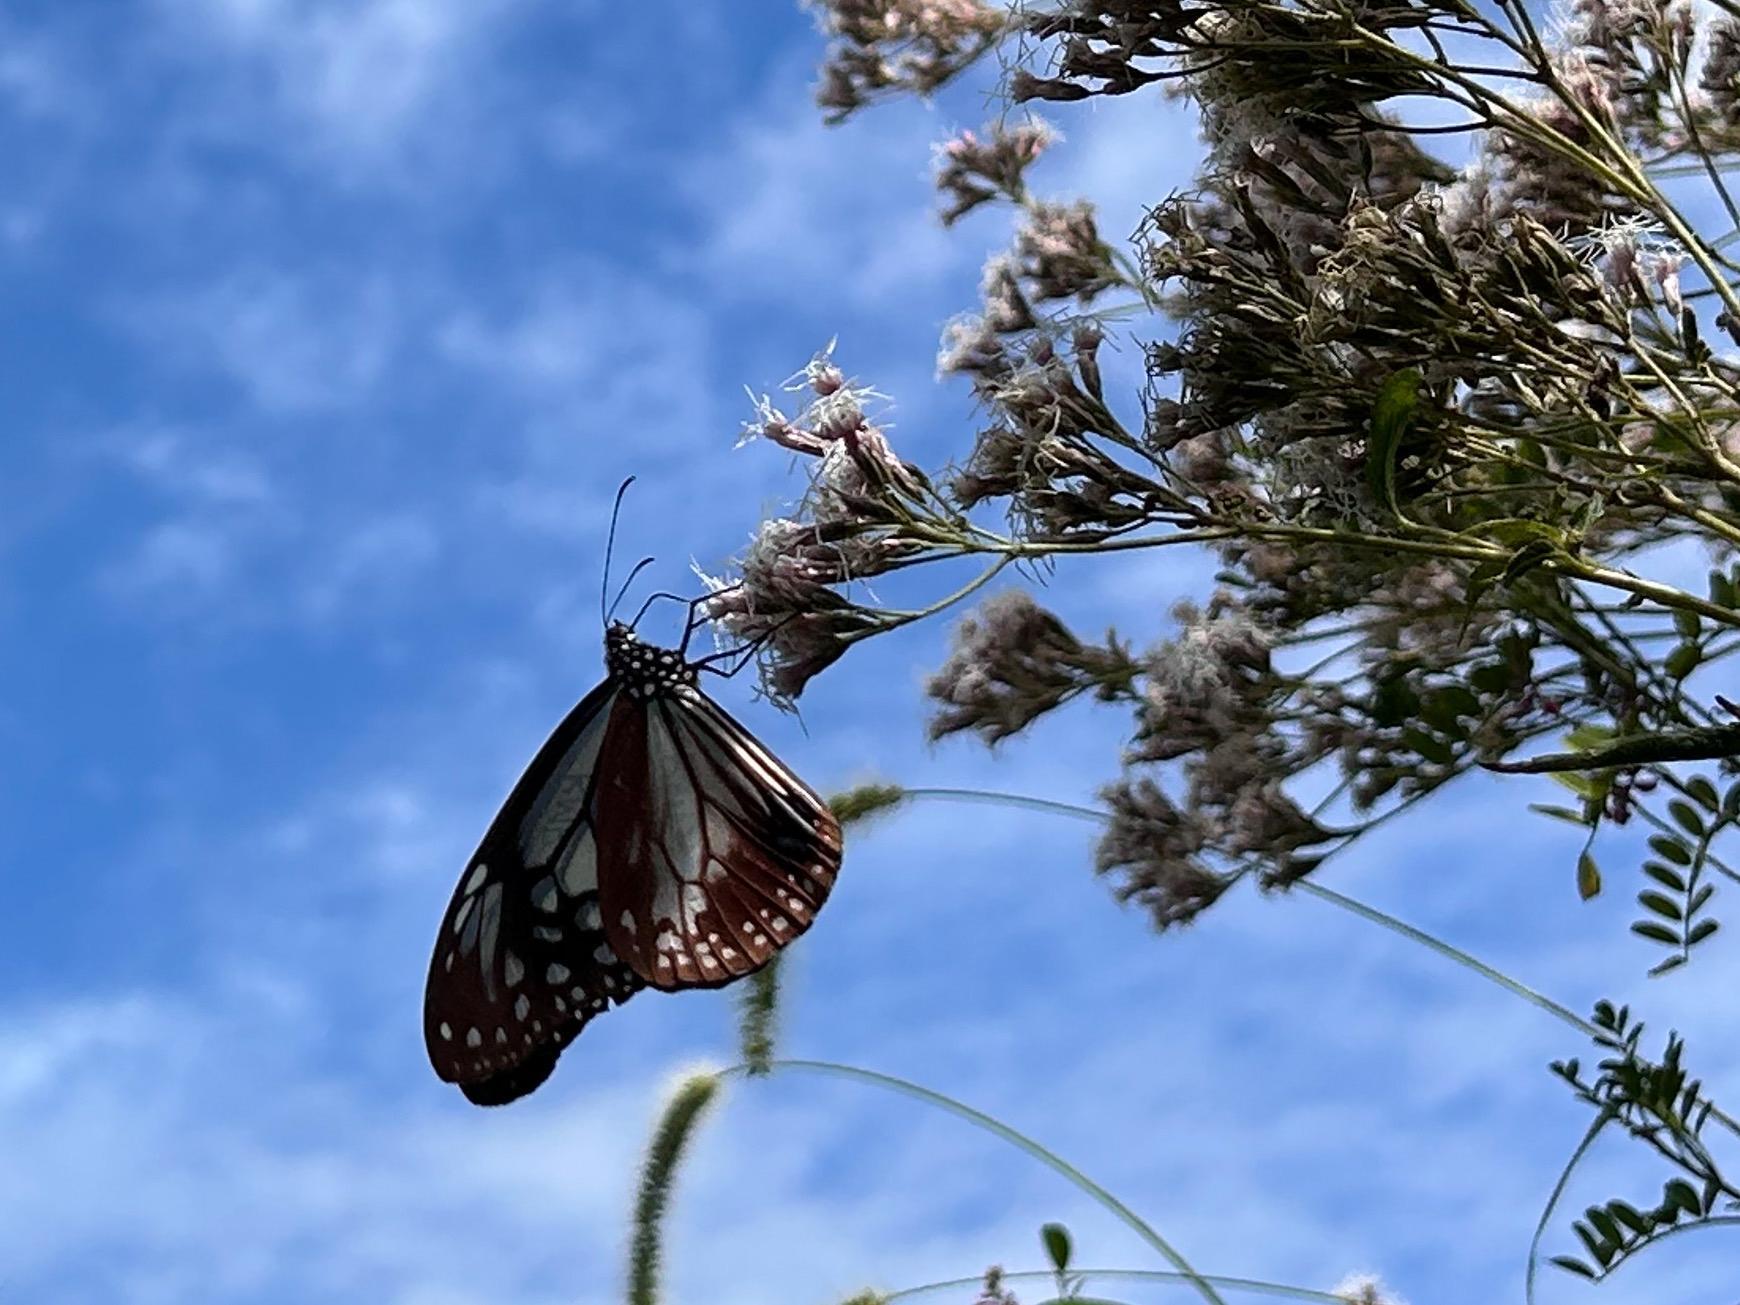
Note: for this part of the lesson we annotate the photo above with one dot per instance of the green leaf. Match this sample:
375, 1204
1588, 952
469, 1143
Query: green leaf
1683, 660
1677, 1191
1571, 1264
1731, 803
1656, 933
1629, 1215
1391, 413
1393, 701
1670, 847
1663, 966
1687, 623
1057, 1245
1699, 898
1700, 931
1600, 1249
1588, 877
1721, 589
1491, 677
1584, 786
1687, 817
1587, 738
1660, 904
1526, 559
1558, 813
1440, 714
1517, 531
1665, 875
1704, 792
1480, 578
1603, 1223
1431, 748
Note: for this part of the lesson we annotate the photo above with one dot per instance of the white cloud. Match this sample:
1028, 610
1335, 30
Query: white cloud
361, 78
838, 218
176, 462
183, 558
292, 343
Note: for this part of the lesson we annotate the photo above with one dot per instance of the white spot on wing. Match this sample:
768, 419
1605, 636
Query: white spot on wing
512, 970
474, 880
557, 973
463, 913
694, 900
468, 936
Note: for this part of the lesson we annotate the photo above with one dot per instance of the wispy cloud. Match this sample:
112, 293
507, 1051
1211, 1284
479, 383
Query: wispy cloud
292, 343
361, 83
839, 217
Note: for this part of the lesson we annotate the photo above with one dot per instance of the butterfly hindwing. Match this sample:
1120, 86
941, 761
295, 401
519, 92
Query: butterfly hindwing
521, 961
713, 855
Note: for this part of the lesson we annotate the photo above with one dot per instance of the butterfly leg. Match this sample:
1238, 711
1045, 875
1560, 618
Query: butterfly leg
744, 654
696, 619
653, 598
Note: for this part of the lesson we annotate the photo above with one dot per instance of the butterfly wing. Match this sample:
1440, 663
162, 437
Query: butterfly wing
712, 854
522, 960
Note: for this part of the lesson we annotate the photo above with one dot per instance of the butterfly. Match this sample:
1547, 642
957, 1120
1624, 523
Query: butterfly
652, 842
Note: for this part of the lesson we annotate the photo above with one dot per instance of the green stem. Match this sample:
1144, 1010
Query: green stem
1019, 1140
1254, 1285
1329, 895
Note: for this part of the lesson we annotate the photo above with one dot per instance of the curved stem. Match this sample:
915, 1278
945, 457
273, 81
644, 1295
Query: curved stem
1353, 905
1254, 1285
1019, 1140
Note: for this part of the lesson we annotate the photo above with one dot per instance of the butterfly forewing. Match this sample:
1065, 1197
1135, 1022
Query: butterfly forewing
521, 962
713, 854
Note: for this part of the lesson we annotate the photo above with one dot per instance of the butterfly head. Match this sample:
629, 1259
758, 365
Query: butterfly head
643, 669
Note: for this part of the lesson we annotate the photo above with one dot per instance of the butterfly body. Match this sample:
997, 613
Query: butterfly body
653, 841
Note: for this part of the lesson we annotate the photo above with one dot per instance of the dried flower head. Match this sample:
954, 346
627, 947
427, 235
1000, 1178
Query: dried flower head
971, 170
1153, 850
1012, 661
1060, 252
880, 46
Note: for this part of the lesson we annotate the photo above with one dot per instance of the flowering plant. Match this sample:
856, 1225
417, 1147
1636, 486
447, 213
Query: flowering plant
1436, 363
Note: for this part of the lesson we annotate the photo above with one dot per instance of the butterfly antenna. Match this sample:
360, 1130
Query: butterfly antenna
639, 566
609, 546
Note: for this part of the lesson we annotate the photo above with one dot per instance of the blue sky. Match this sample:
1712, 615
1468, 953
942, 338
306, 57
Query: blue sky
330, 329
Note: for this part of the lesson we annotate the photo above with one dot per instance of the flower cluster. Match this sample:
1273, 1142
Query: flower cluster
1429, 420
971, 169
882, 46
787, 600
1012, 662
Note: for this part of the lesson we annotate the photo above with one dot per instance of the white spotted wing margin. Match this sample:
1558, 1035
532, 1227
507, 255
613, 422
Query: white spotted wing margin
652, 841
521, 962
725, 856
